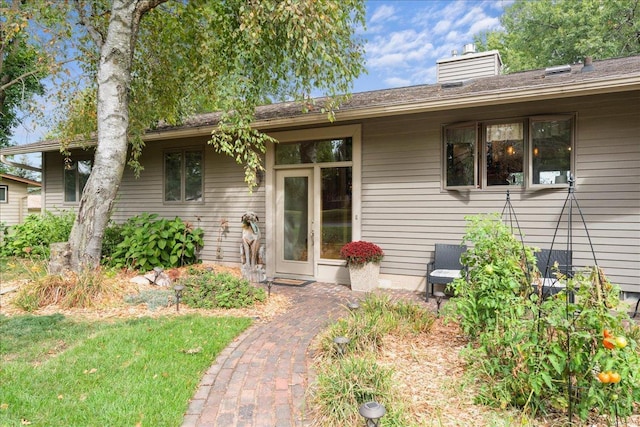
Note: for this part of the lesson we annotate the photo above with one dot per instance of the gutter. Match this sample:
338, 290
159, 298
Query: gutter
3, 159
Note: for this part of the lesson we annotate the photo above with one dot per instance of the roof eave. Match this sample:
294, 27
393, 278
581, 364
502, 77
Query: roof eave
455, 101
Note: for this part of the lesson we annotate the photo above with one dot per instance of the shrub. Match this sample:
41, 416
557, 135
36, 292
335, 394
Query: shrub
32, 237
207, 289
113, 236
148, 242
153, 298
543, 355
83, 290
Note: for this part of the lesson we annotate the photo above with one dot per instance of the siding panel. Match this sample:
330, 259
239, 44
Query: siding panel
405, 211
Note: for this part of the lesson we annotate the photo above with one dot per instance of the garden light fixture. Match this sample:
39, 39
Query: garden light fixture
341, 344
178, 289
372, 412
269, 281
353, 305
439, 296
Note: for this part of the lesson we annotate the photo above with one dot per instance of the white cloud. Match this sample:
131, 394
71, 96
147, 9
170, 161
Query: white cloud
382, 13
397, 82
455, 37
398, 49
486, 23
442, 27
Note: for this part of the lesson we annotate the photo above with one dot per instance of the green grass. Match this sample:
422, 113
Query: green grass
57, 371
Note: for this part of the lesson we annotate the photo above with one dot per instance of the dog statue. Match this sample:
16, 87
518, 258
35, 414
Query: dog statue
250, 250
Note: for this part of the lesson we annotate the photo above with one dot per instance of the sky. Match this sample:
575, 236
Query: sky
403, 41
405, 38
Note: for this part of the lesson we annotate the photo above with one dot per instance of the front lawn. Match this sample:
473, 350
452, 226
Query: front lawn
137, 372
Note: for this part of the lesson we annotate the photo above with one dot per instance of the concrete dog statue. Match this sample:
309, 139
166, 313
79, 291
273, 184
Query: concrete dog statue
250, 250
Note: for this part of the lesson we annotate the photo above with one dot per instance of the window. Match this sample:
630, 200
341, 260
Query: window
76, 175
183, 176
4, 194
550, 151
518, 153
333, 150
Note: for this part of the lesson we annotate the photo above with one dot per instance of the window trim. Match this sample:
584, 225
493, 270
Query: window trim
78, 190
480, 167
5, 199
183, 176
572, 142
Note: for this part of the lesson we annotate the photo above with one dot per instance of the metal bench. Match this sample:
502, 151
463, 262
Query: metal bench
445, 266
546, 261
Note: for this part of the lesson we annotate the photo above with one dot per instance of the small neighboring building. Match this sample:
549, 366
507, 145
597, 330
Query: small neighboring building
403, 168
15, 199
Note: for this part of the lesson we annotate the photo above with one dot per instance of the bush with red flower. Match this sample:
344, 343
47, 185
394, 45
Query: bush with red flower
360, 253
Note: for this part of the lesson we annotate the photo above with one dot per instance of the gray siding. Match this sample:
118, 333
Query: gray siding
15, 210
225, 196
405, 211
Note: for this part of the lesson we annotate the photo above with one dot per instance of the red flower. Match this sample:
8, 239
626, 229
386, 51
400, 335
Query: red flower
359, 253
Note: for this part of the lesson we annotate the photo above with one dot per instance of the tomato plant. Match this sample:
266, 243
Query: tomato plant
540, 355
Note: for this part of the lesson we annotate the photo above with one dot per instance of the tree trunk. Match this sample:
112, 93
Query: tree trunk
114, 75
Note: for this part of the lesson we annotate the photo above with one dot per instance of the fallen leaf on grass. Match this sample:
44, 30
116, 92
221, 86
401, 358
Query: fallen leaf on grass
193, 350
91, 371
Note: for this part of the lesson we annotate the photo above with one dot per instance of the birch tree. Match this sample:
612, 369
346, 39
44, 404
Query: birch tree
154, 56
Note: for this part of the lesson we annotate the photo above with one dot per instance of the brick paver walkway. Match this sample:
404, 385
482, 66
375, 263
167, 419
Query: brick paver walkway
260, 379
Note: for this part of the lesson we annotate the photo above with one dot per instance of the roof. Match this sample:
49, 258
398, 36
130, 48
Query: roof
29, 182
608, 76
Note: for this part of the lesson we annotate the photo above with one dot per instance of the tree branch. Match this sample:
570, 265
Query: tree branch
96, 36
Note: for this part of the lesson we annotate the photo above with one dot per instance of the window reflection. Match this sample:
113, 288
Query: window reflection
505, 154
551, 151
335, 150
336, 211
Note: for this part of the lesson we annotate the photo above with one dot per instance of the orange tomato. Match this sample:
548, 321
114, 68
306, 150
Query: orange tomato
604, 377
609, 343
614, 377
606, 333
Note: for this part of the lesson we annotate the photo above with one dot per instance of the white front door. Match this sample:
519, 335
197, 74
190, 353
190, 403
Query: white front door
294, 222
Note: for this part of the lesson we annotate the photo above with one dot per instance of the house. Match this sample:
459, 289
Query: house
14, 199
403, 168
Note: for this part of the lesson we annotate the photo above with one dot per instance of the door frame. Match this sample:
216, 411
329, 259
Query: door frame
328, 270
292, 267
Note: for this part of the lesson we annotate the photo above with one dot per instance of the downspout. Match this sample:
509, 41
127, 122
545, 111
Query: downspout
4, 160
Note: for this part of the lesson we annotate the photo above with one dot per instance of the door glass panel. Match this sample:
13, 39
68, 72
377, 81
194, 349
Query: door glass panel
296, 215
335, 224
334, 150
